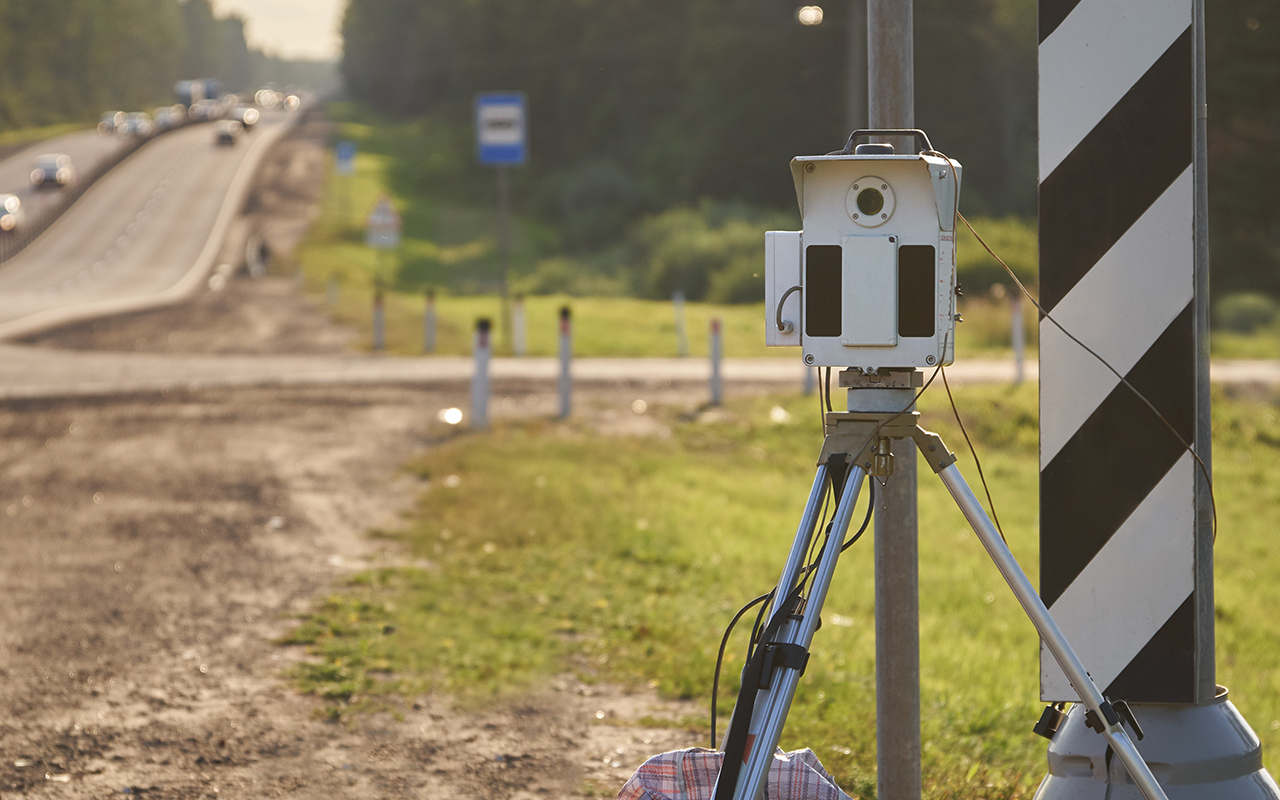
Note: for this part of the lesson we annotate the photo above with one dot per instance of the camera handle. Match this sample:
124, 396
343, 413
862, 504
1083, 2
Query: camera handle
861, 132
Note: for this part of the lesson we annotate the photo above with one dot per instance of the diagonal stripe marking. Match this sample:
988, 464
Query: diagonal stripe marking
1131, 588
1051, 13
1118, 308
1090, 60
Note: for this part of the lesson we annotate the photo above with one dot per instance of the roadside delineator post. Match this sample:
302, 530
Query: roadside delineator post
517, 326
717, 381
682, 336
564, 384
1019, 336
429, 323
379, 322
809, 380
483, 349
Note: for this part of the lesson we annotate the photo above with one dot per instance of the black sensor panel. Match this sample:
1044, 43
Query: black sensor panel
823, 264
917, 312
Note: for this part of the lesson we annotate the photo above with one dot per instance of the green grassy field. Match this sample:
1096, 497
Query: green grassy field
622, 559
452, 247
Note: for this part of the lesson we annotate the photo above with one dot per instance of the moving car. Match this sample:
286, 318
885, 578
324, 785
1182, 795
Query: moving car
52, 169
136, 124
228, 132
110, 121
207, 110
10, 212
246, 115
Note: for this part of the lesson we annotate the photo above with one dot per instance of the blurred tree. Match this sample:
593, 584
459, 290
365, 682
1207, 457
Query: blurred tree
1244, 139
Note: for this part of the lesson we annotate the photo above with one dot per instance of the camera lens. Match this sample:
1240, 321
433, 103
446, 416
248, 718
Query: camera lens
870, 201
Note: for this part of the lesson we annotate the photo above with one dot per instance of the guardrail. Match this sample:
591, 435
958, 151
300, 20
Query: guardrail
33, 225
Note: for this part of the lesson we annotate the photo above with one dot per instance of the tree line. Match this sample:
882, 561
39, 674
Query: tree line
641, 105
68, 60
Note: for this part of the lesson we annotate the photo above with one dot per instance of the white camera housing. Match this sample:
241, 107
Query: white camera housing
875, 263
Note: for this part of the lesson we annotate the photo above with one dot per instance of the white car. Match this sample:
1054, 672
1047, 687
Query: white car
10, 212
52, 169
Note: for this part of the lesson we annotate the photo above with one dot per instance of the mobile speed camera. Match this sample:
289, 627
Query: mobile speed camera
869, 282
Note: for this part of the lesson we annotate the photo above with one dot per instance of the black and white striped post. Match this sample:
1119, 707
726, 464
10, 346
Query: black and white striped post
1126, 539
429, 323
564, 382
483, 349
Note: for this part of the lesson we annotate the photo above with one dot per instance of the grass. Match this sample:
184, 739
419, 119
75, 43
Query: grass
449, 243
620, 558
21, 136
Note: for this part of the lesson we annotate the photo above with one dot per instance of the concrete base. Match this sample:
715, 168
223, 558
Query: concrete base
1205, 752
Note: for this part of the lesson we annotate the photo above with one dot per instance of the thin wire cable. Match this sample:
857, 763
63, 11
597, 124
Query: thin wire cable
985, 488
1204, 469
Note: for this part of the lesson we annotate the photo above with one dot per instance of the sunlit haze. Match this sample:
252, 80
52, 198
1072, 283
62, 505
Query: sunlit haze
290, 28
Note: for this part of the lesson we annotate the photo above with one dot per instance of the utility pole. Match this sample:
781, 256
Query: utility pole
891, 104
856, 68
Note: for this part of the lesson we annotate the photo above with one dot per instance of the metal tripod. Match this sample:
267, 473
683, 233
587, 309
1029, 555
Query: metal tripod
857, 445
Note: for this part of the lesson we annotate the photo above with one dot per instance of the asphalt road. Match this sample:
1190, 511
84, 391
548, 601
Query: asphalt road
142, 233
86, 148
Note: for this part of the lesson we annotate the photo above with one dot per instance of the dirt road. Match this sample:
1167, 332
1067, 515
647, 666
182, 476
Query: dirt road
155, 547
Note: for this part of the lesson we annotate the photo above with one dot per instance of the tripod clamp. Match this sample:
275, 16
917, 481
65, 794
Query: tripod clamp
864, 438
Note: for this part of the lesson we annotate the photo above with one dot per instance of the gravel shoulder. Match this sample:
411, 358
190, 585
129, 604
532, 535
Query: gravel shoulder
158, 544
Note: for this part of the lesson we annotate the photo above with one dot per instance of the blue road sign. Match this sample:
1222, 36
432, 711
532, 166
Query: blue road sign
345, 158
501, 136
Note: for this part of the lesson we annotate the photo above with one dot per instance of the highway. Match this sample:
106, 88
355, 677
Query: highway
86, 149
143, 235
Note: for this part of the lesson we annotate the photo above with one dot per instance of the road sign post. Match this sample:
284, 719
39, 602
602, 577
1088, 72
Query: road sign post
1126, 531
344, 166
502, 143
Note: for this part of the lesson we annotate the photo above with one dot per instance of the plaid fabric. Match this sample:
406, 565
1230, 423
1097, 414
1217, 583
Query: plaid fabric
691, 775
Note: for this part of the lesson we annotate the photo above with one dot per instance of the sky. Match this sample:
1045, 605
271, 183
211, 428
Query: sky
290, 28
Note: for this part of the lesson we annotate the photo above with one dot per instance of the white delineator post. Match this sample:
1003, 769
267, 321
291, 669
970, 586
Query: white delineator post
717, 349
517, 326
564, 383
429, 323
1019, 336
682, 336
809, 380
483, 349
379, 322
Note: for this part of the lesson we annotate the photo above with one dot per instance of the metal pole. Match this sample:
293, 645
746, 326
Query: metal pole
379, 322
717, 350
682, 337
504, 248
429, 323
891, 104
856, 101
1205, 657
517, 326
1019, 335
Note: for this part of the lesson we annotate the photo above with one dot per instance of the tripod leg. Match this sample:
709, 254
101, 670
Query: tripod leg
795, 562
1050, 633
773, 701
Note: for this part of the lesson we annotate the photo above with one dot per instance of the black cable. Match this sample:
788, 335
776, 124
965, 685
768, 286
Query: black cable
827, 389
715, 683
765, 598
991, 503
